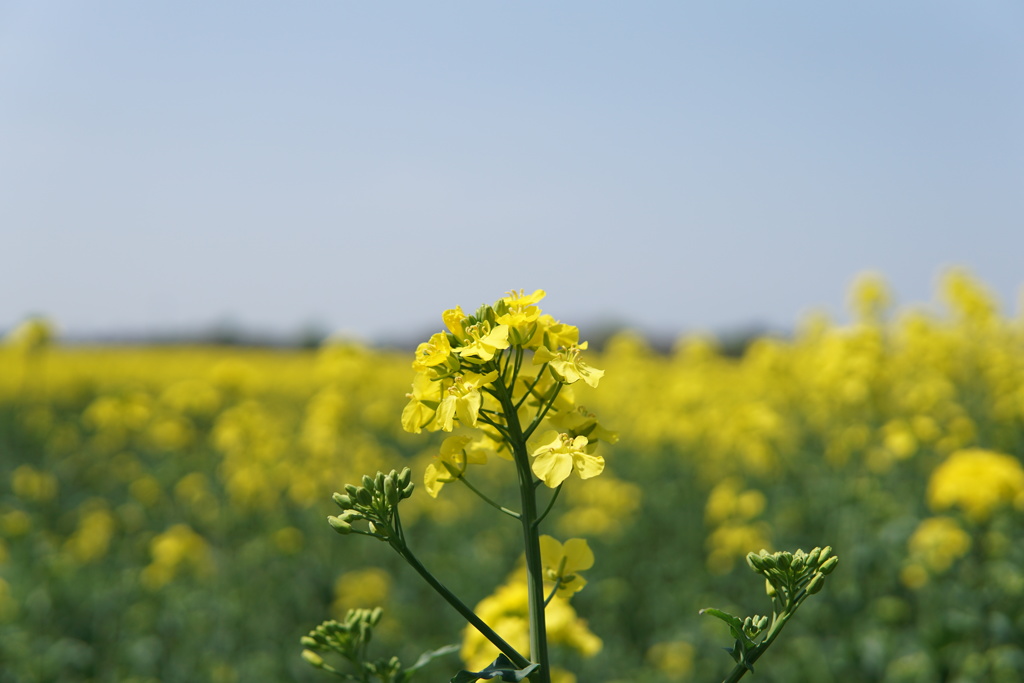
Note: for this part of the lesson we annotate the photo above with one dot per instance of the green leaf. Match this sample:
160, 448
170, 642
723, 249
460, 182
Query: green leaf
733, 621
743, 642
426, 658
501, 668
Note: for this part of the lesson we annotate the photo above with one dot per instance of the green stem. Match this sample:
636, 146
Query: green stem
740, 670
483, 496
530, 389
460, 607
551, 504
543, 411
531, 539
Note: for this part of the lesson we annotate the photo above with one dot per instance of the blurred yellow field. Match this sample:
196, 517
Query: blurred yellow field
162, 510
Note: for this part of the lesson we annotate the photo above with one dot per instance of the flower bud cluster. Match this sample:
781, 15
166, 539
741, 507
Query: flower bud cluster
375, 502
753, 626
793, 576
349, 639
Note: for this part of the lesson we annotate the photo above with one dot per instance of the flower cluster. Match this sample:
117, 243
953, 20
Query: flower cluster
505, 370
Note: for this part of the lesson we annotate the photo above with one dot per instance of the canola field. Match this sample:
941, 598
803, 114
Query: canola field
163, 510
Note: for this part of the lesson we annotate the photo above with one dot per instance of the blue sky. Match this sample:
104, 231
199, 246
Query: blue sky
668, 165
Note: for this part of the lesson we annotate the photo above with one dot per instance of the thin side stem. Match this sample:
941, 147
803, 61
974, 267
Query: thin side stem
551, 504
483, 496
460, 607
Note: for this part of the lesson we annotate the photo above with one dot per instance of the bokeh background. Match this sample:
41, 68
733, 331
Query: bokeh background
793, 231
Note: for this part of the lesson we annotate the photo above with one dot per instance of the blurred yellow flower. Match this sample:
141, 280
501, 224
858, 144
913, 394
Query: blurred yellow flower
177, 549
368, 587
935, 545
31, 484
977, 481
673, 659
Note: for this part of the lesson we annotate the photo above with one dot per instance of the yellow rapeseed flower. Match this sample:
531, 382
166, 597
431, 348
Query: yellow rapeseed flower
424, 399
935, 545
483, 341
568, 364
977, 481
563, 562
451, 463
559, 454
434, 352
520, 309
463, 399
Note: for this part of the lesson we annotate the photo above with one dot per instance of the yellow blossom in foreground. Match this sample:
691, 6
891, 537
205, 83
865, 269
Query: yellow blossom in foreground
463, 400
484, 341
424, 399
559, 454
520, 309
977, 481
451, 463
507, 612
563, 562
554, 334
568, 364
453, 318
436, 351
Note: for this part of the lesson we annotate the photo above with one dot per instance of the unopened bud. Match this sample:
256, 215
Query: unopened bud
816, 583
784, 560
825, 553
391, 492
827, 566
754, 560
363, 496
367, 482
339, 525
313, 658
343, 501
769, 589
405, 478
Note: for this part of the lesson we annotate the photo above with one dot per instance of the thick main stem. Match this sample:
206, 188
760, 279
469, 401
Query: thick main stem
531, 538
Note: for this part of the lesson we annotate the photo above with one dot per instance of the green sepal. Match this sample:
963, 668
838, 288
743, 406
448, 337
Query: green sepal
501, 668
